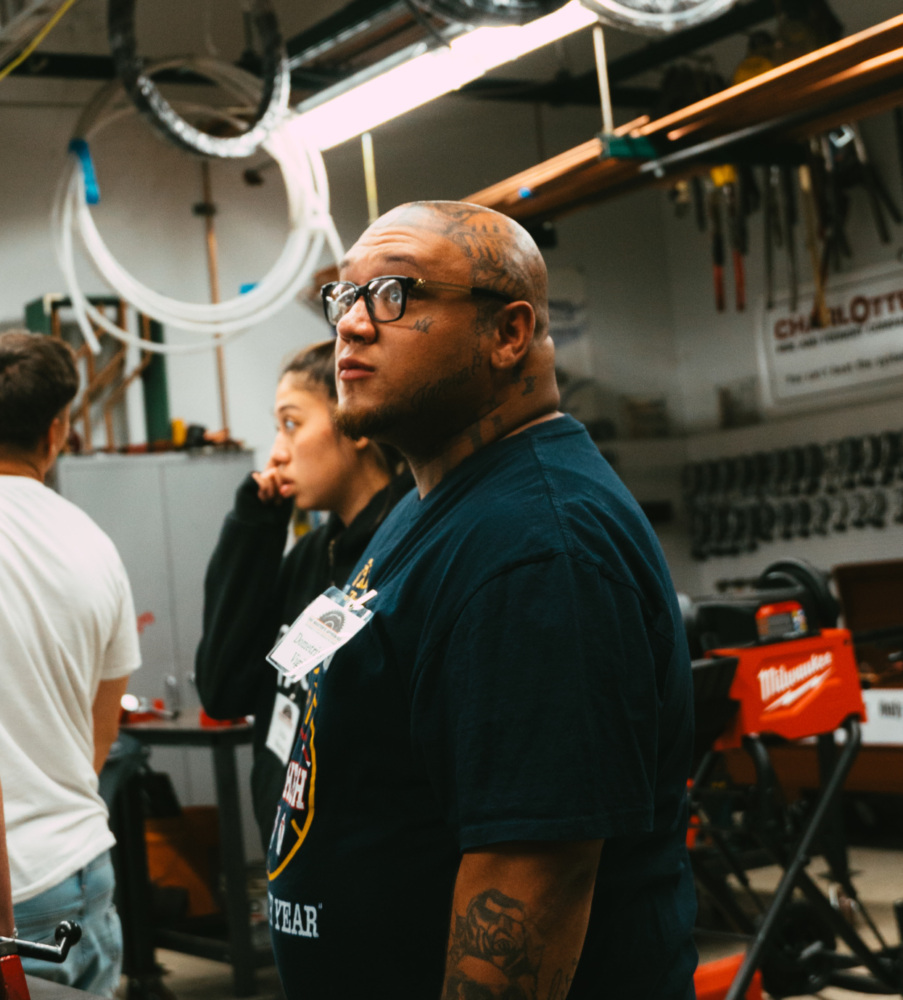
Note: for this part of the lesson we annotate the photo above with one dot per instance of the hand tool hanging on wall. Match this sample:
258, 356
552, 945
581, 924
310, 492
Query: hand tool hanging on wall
879, 196
847, 166
836, 206
788, 209
714, 205
697, 189
820, 316
770, 232
685, 83
736, 223
749, 200
898, 130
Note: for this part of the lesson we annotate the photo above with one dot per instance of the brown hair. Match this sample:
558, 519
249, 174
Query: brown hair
316, 365
38, 379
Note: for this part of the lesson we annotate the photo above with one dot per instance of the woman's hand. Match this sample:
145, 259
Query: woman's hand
270, 485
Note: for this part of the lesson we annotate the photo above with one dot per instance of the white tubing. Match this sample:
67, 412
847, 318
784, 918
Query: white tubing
310, 230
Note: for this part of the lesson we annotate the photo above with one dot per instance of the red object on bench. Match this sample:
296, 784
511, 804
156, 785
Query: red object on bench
12, 979
208, 722
713, 979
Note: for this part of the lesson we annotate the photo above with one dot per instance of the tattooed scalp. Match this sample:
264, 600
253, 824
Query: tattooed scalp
501, 254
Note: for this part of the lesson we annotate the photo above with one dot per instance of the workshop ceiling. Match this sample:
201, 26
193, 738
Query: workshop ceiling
317, 34
329, 39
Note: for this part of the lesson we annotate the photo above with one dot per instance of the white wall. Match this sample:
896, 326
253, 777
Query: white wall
450, 149
653, 327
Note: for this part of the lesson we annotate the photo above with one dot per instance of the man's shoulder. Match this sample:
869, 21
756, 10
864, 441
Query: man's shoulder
36, 510
559, 496
527, 498
546, 480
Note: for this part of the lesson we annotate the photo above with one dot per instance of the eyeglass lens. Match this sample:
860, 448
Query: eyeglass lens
385, 299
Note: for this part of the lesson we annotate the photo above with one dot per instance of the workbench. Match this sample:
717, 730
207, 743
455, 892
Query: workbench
140, 936
43, 989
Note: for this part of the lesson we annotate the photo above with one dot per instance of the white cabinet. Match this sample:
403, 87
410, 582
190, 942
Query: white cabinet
164, 514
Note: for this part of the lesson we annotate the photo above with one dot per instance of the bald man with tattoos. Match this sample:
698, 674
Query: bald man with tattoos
487, 797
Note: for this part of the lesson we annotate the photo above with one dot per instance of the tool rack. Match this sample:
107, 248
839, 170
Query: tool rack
756, 121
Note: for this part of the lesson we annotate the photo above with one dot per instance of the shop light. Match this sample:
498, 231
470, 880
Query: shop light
343, 112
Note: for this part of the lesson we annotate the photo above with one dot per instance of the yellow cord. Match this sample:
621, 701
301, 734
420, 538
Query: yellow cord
36, 41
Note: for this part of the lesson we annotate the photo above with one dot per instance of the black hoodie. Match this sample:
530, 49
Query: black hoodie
250, 592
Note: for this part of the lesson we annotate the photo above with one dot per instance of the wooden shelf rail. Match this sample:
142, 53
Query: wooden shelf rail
857, 77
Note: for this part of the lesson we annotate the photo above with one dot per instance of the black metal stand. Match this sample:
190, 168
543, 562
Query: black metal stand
140, 936
823, 828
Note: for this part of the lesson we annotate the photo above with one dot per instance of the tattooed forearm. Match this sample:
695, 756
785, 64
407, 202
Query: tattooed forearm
561, 983
519, 917
491, 954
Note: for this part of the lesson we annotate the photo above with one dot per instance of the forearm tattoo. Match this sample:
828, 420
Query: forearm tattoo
494, 955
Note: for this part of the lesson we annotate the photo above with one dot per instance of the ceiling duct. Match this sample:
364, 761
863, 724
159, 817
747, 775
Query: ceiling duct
657, 17
490, 12
163, 117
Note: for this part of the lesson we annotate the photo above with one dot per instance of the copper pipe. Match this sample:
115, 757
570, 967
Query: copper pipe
90, 368
581, 157
865, 45
782, 97
213, 274
803, 86
608, 121
370, 177
810, 219
119, 392
96, 380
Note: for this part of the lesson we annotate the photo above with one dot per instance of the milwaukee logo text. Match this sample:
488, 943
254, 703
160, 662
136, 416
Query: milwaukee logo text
775, 681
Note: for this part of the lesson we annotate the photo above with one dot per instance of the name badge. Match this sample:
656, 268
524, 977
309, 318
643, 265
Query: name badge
324, 626
283, 727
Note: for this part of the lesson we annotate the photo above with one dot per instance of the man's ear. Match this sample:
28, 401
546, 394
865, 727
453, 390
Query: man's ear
56, 438
513, 335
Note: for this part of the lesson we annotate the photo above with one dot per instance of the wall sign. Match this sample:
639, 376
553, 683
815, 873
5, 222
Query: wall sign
862, 345
884, 707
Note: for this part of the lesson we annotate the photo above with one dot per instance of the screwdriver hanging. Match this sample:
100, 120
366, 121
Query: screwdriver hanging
788, 206
714, 201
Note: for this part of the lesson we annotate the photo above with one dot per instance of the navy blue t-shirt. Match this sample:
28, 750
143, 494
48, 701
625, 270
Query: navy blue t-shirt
525, 676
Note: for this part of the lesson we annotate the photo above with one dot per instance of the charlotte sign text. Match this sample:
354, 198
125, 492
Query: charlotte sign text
863, 343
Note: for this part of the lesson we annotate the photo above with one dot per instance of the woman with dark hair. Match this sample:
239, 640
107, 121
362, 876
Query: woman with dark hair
253, 591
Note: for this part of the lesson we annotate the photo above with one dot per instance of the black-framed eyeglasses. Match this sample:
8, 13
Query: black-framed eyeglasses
386, 297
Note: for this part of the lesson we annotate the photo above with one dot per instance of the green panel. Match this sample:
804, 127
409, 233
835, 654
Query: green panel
156, 392
627, 147
37, 316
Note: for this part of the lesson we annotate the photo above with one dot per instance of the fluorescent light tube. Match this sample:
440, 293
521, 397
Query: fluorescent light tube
430, 75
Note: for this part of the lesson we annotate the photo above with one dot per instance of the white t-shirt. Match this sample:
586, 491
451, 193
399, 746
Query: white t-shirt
67, 622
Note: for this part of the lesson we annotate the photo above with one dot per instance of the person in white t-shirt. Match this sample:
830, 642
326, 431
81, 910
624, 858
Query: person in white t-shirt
69, 643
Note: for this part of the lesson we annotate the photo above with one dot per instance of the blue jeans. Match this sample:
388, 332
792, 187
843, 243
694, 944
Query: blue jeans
86, 897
